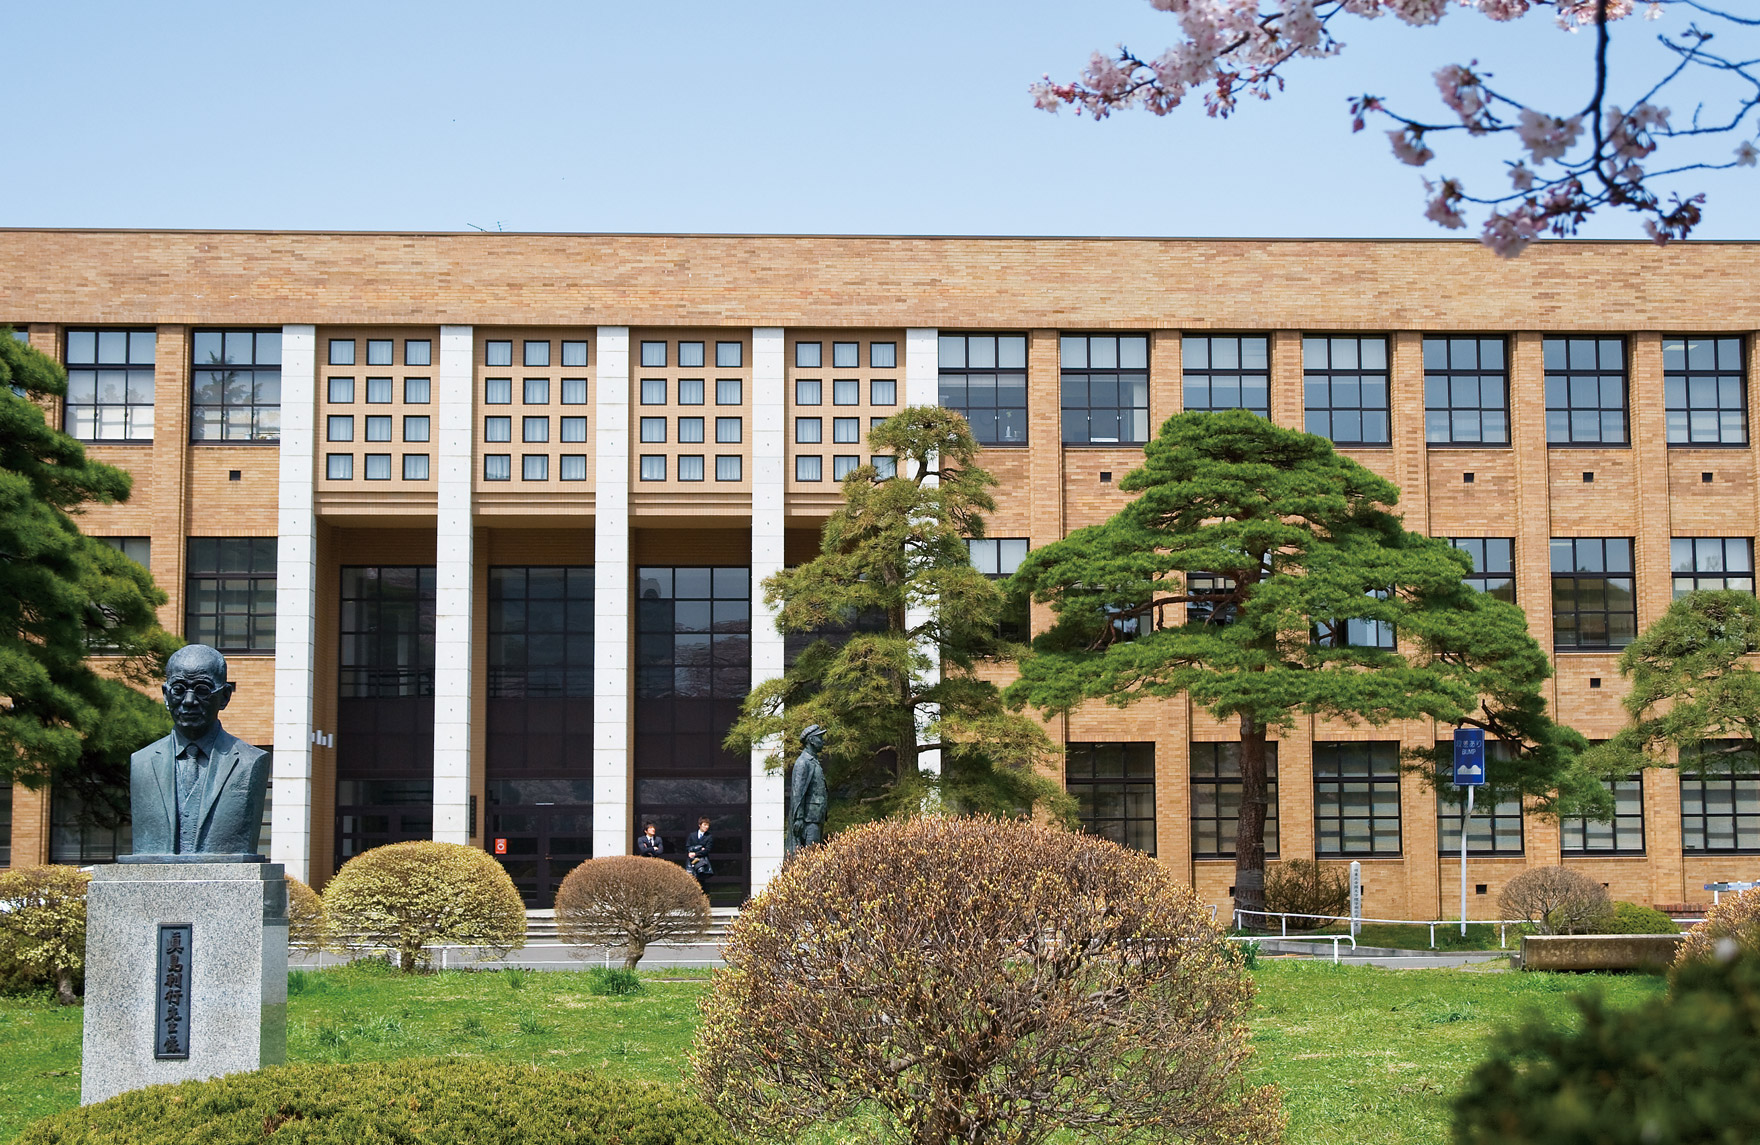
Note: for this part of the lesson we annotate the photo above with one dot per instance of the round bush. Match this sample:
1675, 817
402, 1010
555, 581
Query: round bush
1556, 900
406, 897
1633, 918
942, 979
43, 926
1736, 918
628, 901
449, 1100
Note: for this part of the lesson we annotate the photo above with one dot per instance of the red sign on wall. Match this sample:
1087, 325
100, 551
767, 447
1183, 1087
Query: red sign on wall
501, 846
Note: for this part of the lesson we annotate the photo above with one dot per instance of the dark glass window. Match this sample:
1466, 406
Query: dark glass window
1213, 603
1495, 828
230, 593
1355, 632
1704, 391
1356, 798
1227, 373
998, 558
386, 631
1466, 391
1711, 563
1585, 391
1216, 799
1105, 389
237, 385
1114, 789
373, 812
6, 822
110, 385
1344, 387
540, 632
1494, 565
1623, 836
984, 377
1720, 799
89, 823
1593, 605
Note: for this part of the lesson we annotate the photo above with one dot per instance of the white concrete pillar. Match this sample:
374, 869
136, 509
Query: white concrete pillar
296, 605
922, 387
452, 585
611, 596
769, 416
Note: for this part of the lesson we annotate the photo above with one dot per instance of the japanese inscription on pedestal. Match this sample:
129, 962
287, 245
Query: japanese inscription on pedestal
171, 1032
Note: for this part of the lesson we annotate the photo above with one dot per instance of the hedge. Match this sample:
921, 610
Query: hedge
448, 1101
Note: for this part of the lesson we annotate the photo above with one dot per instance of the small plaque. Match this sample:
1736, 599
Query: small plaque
171, 1031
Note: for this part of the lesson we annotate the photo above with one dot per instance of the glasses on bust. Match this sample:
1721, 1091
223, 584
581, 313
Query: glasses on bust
201, 692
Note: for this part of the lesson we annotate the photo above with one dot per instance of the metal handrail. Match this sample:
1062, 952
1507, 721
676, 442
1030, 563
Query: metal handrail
1502, 924
1334, 938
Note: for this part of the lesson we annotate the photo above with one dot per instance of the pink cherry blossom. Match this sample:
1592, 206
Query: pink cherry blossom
1462, 92
1440, 209
1746, 154
1408, 146
1547, 136
1521, 176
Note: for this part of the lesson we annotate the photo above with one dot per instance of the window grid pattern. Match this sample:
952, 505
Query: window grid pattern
386, 631
236, 385
539, 382
1344, 388
1494, 565
1113, 785
1494, 829
1623, 836
1720, 800
853, 376
1356, 799
1700, 563
1105, 389
998, 558
1216, 799
110, 385
1593, 602
1227, 372
230, 593
1585, 391
378, 378
541, 632
984, 377
1466, 391
1704, 391
684, 380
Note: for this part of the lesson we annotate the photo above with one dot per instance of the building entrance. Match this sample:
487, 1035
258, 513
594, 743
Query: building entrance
540, 842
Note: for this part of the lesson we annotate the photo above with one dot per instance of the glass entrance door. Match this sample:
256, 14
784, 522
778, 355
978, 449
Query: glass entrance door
539, 843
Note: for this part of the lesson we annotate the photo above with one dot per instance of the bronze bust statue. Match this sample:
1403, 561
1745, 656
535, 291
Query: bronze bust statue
199, 791
807, 801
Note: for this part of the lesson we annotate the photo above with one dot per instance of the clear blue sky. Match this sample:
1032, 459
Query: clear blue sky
907, 116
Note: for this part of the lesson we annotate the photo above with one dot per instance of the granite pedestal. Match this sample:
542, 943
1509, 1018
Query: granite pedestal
183, 957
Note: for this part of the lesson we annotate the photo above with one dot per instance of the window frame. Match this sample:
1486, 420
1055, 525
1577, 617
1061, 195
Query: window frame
1694, 577
1683, 376
1574, 831
1380, 752
1214, 779
206, 594
137, 407
1447, 373
1085, 375
1093, 782
988, 429
1331, 372
1564, 414
1207, 373
1577, 576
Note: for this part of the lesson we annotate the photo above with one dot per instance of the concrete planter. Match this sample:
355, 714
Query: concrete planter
1599, 951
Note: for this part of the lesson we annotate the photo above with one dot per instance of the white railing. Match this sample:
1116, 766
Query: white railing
1335, 939
1502, 924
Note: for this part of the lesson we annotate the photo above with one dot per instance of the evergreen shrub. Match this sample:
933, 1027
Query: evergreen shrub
1634, 918
405, 897
43, 927
437, 1101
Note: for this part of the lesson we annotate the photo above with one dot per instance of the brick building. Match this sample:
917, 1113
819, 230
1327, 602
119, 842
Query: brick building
477, 518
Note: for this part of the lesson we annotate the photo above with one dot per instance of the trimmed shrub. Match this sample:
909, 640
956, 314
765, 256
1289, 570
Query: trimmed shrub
1679, 1070
306, 928
1633, 918
1554, 900
448, 1100
628, 902
405, 897
43, 925
1300, 886
1735, 918
979, 980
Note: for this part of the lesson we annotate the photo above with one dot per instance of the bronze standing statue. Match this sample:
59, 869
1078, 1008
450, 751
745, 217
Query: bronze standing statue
807, 801
199, 791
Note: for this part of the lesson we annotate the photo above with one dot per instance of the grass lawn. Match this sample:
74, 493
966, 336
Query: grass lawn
1364, 1055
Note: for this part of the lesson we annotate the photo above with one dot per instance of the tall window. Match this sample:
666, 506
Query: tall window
1114, 788
110, 384
89, 823
1593, 605
1466, 391
1357, 632
984, 377
1623, 836
998, 558
1495, 828
1704, 391
1711, 563
1227, 373
237, 379
387, 631
1720, 799
1105, 389
1585, 391
1356, 798
1344, 387
1216, 799
1494, 565
230, 593
541, 632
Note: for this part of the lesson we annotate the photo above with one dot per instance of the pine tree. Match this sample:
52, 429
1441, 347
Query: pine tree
65, 597
902, 623
1305, 574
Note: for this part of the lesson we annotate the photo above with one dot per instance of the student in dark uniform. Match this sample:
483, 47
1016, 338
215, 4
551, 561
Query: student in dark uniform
649, 844
696, 853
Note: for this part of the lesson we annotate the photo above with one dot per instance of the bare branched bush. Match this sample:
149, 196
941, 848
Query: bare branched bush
43, 923
1731, 927
306, 928
1555, 900
629, 902
1300, 886
977, 980
409, 896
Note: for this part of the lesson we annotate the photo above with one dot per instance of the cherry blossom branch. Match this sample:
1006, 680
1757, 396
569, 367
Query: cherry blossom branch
1231, 47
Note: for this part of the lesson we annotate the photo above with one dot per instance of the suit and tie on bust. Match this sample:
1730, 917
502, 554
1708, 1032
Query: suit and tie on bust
200, 790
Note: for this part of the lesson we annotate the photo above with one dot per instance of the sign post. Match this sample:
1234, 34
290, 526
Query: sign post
1356, 897
1469, 772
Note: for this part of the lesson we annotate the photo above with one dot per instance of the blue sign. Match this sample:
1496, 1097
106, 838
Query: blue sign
1469, 757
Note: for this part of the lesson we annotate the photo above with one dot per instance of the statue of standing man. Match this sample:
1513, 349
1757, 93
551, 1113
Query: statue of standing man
807, 801
200, 790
